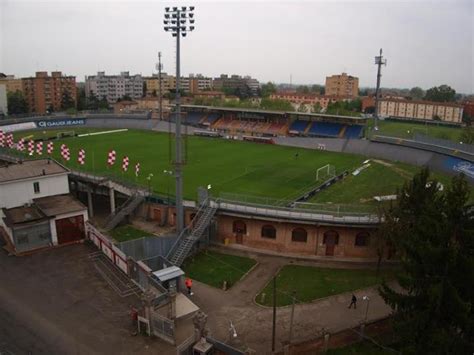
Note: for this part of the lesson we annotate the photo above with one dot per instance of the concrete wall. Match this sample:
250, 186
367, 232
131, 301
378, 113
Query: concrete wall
17, 193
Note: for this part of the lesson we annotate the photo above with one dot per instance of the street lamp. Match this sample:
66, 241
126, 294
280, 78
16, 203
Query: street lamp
379, 61
366, 298
148, 178
179, 21
168, 172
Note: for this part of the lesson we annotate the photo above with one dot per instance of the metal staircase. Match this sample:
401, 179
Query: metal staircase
128, 207
191, 234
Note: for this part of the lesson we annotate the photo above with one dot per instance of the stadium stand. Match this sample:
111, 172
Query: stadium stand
193, 118
353, 132
325, 129
298, 126
213, 117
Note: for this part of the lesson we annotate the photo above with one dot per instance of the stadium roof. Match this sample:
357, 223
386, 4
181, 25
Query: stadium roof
234, 109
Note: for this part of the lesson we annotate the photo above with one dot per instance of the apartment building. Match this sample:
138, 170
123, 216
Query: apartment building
45, 93
342, 85
297, 99
421, 110
192, 84
3, 100
114, 87
234, 82
11, 84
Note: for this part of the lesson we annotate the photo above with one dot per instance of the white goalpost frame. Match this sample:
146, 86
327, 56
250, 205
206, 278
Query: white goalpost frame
330, 171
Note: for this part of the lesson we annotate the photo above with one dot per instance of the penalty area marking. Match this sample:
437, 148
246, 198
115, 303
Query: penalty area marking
103, 132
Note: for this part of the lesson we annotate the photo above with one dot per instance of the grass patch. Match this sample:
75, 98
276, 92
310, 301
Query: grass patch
214, 268
128, 232
409, 129
362, 348
311, 283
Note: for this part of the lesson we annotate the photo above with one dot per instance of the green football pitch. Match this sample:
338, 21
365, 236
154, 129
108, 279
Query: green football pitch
237, 167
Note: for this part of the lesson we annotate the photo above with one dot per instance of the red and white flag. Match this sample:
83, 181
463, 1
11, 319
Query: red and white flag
81, 157
65, 153
125, 162
9, 140
2, 138
21, 145
137, 169
39, 148
111, 158
50, 148
31, 147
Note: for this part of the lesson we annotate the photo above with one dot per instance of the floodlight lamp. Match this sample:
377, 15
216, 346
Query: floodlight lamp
175, 34
183, 15
191, 28
191, 15
183, 8
191, 21
174, 15
167, 9
173, 22
165, 22
183, 34
183, 28
175, 8
182, 21
167, 28
191, 8
167, 15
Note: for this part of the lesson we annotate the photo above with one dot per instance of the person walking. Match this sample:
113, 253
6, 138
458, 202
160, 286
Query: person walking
353, 302
189, 283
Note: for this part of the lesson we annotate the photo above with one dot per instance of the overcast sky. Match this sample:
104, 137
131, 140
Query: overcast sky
426, 43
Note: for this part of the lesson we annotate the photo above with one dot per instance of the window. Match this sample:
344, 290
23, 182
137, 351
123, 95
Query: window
239, 227
331, 237
299, 235
36, 187
268, 231
362, 239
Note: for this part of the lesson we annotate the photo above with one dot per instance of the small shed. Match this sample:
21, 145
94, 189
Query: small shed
169, 277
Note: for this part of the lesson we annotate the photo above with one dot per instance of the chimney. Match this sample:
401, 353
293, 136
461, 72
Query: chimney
44, 172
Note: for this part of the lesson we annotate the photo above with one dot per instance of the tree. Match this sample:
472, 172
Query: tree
317, 107
302, 108
303, 89
67, 101
317, 89
267, 89
81, 99
433, 234
467, 135
144, 89
443, 93
103, 104
416, 93
16, 103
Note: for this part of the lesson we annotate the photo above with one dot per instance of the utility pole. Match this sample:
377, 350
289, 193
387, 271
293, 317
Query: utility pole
160, 67
379, 61
274, 314
292, 316
176, 19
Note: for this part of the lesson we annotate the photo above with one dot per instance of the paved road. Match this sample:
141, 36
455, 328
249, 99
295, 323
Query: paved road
54, 302
254, 323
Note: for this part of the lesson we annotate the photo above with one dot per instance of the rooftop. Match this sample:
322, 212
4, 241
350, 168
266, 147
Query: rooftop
23, 214
59, 204
31, 169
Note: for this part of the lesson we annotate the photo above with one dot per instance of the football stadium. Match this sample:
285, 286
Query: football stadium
310, 184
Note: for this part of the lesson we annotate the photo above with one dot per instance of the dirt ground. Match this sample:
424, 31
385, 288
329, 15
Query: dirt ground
54, 302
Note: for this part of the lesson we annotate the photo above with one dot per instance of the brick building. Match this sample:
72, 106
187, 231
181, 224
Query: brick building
12, 84
421, 110
342, 85
45, 93
297, 99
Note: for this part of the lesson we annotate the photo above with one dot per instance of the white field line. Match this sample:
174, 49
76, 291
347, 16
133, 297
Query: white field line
103, 132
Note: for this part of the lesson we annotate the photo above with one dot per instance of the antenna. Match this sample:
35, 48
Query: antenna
379, 61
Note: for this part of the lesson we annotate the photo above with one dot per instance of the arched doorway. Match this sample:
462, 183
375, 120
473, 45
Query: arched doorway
239, 228
331, 239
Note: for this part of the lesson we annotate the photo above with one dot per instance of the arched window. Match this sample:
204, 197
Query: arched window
268, 231
299, 235
362, 239
331, 237
239, 227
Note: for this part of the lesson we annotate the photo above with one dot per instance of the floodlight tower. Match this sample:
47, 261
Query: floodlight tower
159, 66
179, 21
379, 61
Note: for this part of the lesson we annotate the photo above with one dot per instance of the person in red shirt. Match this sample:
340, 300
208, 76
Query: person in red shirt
189, 283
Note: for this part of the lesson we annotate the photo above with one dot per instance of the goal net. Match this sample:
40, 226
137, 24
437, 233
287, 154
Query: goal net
325, 172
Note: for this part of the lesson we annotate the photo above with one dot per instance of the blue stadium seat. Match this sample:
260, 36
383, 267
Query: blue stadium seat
299, 126
193, 118
213, 117
325, 129
353, 132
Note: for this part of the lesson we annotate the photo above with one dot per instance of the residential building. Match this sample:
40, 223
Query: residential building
3, 100
420, 110
234, 82
45, 93
12, 84
191, 84
309, 100
342, 85
152, 84
468, 108
114, 87
36, 209
198, 83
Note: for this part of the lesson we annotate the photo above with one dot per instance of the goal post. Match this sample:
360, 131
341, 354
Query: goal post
325, 172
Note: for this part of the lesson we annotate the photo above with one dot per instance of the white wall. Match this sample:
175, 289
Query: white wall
8, 230
17, 193
3, 99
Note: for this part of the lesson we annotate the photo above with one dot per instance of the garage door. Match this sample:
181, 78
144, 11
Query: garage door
70, 229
